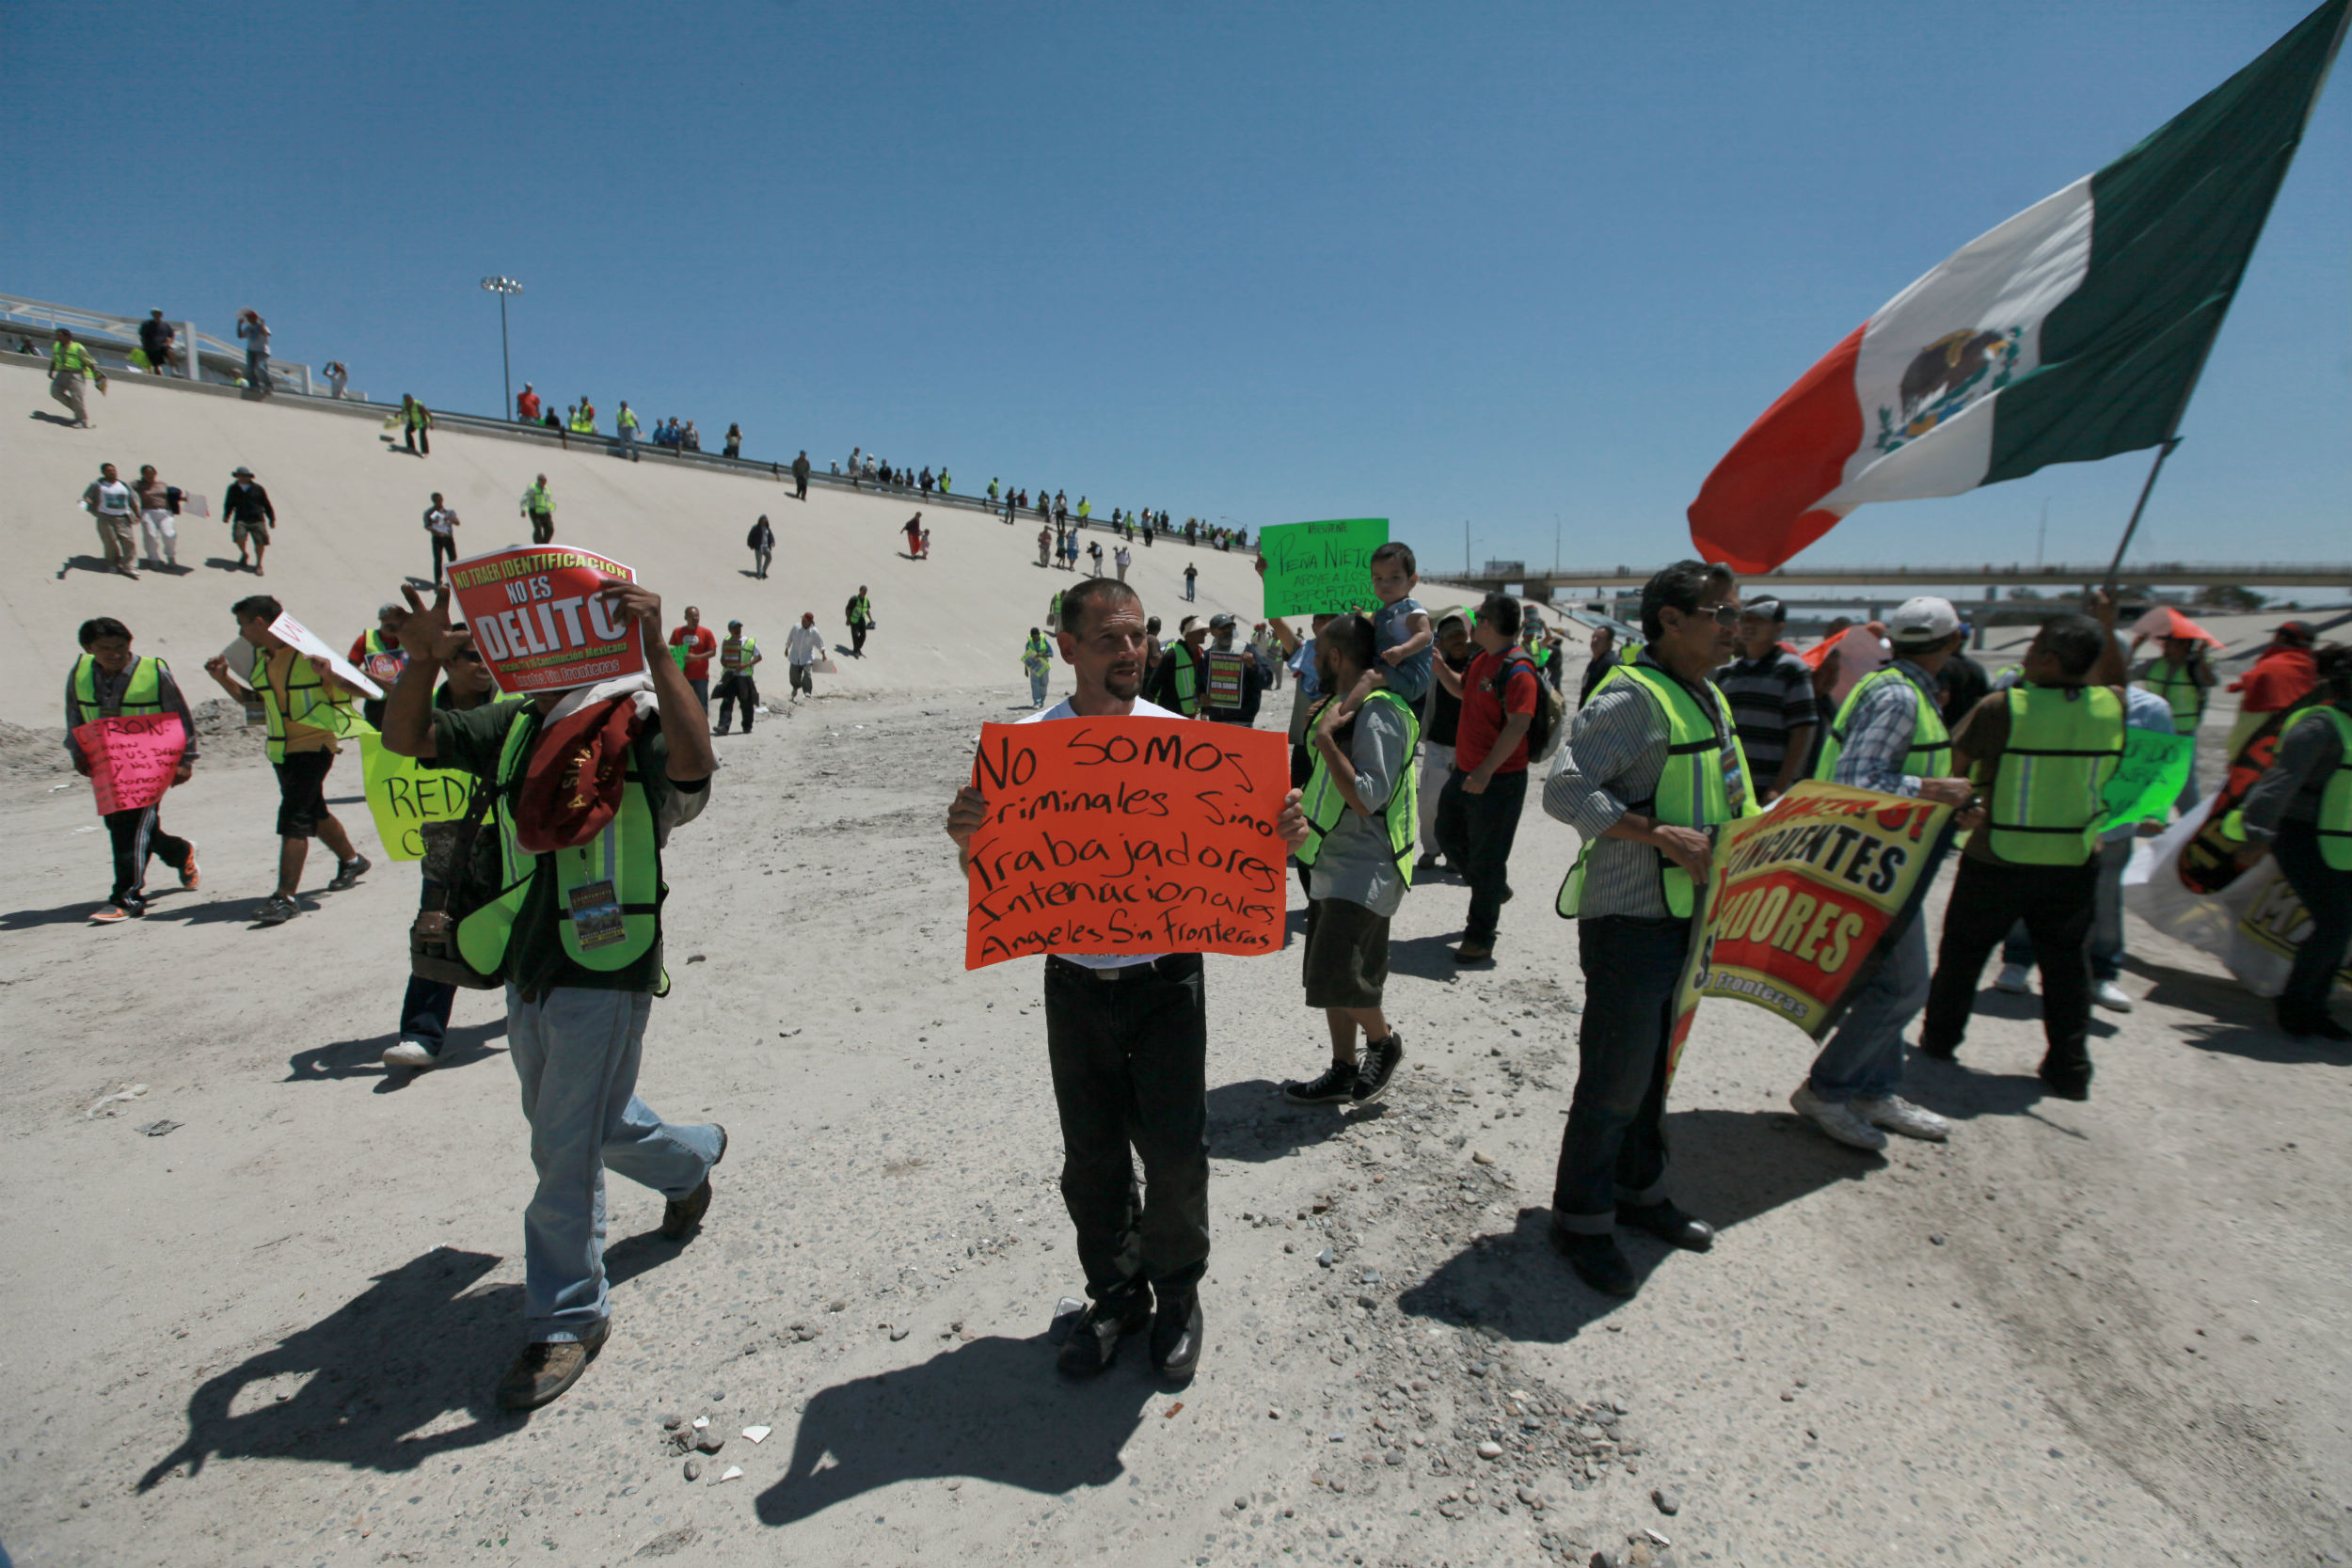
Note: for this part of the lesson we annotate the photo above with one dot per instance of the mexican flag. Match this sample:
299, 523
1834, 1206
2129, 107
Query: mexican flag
2072, 332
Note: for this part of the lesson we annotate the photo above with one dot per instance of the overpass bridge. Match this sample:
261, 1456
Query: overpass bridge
2063, 578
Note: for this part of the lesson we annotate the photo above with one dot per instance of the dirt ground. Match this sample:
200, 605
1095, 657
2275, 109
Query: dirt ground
268, 1331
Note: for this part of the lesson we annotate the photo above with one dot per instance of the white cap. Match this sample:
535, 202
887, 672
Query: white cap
1925, 619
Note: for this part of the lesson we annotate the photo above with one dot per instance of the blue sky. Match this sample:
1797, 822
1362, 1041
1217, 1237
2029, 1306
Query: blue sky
1527, 266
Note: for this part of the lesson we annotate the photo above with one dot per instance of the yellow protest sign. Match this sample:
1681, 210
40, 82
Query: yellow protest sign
403, 795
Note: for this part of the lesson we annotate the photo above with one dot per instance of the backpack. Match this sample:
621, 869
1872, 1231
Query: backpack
1544, 726
751, 540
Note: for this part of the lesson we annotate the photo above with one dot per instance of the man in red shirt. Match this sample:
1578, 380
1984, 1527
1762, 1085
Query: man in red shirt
527, 406
1478, 811
693, 645
2283, 674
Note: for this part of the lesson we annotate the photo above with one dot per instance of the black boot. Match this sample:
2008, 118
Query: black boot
1093, 1342
1596, 1260
1176, 1332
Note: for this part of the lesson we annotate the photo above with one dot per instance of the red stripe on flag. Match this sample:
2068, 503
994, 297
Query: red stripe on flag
1756, 510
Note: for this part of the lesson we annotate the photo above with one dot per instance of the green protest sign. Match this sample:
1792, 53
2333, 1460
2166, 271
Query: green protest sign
403, 796
1320, 568
2155, 767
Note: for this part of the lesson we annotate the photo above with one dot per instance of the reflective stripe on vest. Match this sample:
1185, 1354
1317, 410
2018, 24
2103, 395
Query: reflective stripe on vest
746, 649
1931, 752
305, 693
2177, 685
1701, 787
1186, 679
625, 856
1324, 805
145, 694
2064, 744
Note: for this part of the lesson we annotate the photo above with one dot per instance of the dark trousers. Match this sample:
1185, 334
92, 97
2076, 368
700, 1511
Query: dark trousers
542, 527
734, 689
2326, 892
425, 1008
2056, 902
1476, 831
799, 488
1615, 1146
857, 638
444, 551
420, 440
1130, 1062
137, 835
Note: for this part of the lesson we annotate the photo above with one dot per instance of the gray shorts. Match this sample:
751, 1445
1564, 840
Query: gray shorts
1347, 961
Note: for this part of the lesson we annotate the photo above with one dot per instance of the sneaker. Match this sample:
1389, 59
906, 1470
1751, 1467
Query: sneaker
109, 914
348, 873
277, 911
1838, 1118
188, 877
1336, 1085
1898, 1114
1378, 1066
412, 1054
682, 1216
1473, 952
2109, 995
2016, 980
546, 1370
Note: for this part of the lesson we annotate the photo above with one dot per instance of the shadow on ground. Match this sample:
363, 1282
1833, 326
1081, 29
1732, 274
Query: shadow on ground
1250, 1121
1729, 1166
465, 1044
992, 1409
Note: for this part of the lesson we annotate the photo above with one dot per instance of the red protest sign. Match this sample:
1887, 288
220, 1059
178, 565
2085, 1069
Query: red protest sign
1126, 837
538, 621
131, 758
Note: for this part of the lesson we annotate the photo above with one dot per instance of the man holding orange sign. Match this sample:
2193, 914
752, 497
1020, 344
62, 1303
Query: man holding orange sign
1126, 1030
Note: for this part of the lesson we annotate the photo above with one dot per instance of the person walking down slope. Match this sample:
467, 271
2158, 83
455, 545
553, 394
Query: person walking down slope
1123, 561
762, 539
539, 506
69, 364
109, 681
578, 939
912, 526
800, 476
1044, 542
251, 519
111, 503
693, 645
1037, 662
159, 520
440, 527
739, 656
1191, 574
307, 710
2301, 810
418, 423
859, 613
803, 649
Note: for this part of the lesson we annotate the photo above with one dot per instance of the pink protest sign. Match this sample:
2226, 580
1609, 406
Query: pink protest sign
538, 621
132, 759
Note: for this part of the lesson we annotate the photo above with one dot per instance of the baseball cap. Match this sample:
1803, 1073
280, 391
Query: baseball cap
735, 625
240, 473
2297, 631
1769, 609
1220, 623
1925, 619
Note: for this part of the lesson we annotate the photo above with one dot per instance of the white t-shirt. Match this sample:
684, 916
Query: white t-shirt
804, 645
114, 498
1105, 960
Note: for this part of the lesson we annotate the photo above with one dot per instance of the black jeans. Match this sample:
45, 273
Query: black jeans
424, 1007
137, 834
1615, 1146
542, 527
734, 689
857, 638
444, 551
2326, 892
2057, 903
1476, 831
1130, 1062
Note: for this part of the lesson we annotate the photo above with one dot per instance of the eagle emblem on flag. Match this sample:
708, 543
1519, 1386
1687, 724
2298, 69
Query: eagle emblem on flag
1945, 377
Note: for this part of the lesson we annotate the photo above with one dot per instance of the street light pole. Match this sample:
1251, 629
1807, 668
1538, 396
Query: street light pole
503, 285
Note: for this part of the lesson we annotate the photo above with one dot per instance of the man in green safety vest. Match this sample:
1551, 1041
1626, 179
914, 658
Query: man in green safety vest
738, 659
1037, 662
539, 506
1889, 736
109, 681
626, 422
2182, 676
1651, 768
2041, 754
2301, 810
1361, 810
308, 711
69, 362
859, 614
588, 784
1180, 682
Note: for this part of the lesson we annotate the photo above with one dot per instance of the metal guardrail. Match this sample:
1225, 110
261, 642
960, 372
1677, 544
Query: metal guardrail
110, 340
2067, 577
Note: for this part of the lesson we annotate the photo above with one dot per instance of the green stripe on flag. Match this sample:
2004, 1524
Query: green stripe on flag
2172, 223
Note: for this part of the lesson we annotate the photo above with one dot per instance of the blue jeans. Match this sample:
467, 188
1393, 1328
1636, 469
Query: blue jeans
577, 1053
1037, 688
1614, 1149
1866, 1056
424, 1010
2187, 799
2107, 918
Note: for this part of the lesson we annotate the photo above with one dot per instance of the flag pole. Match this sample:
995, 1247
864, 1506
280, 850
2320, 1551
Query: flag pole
2115, 567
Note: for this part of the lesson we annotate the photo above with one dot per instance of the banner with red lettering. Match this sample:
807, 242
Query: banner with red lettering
1802, 901
131, 758
1126, 837
538, 621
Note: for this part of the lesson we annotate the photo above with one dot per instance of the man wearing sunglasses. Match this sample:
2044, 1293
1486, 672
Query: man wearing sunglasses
1652, 764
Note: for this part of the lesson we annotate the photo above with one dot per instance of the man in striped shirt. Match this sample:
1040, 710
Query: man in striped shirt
1771, 691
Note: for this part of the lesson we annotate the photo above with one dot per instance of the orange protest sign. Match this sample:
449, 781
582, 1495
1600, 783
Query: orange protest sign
131, 758
1126, 837
538, 621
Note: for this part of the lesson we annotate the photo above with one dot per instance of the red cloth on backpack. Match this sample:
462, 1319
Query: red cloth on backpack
572, 783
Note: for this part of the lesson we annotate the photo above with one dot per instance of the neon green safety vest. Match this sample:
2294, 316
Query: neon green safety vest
144, 695
1697, 788
1931, 752
618, 871
627, 419
537, 500
2064, 744
2177, 685
308, 696
71, 359
2335, 801
581, 422
1186, 680
1324, 805
746, 650
1038, 657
